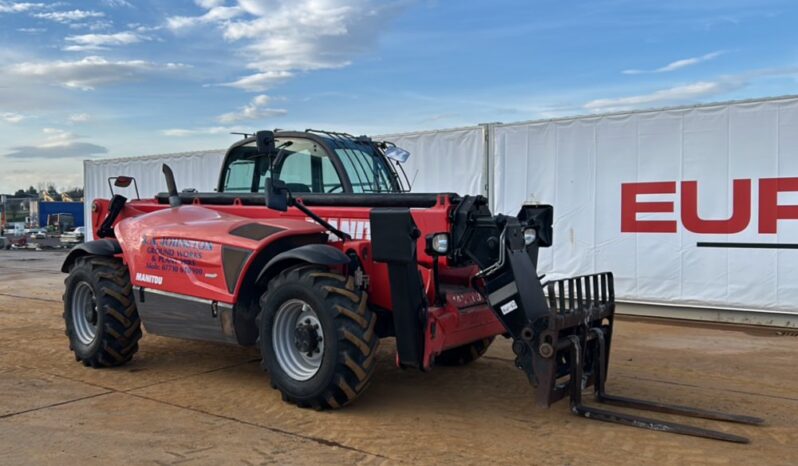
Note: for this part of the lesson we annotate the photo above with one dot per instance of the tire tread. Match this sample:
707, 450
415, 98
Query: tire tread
121, 329
357, 339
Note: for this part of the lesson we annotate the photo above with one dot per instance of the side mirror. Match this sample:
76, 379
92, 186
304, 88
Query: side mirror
123, 181
397, 153
541, 218
276, 195
265, 142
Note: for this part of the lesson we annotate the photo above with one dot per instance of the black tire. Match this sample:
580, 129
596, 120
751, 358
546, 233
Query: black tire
348, 330
465, 354
117, 327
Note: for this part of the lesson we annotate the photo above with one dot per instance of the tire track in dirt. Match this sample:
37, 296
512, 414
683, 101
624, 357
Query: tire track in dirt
109, 390
33, 298
53, 405
319, 440
26, 269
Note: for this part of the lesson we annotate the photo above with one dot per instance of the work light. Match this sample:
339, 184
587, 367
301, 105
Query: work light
530, 235
438, 243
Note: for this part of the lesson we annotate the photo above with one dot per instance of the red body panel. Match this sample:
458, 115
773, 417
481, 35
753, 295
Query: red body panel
179, 250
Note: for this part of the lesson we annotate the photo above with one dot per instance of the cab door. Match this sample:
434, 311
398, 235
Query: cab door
306, 167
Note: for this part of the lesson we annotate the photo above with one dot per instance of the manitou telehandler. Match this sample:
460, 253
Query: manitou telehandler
312, 249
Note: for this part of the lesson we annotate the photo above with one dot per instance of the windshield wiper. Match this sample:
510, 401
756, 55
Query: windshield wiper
280, 149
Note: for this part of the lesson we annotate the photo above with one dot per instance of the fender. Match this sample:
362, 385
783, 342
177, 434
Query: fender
101, 247
247, 308
316, 254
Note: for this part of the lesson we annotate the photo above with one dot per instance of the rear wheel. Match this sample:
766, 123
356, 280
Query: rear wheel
465, 354
102, 323
317, 337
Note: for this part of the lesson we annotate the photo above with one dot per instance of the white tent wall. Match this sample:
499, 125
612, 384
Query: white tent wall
444, 161
198, 170
579, 165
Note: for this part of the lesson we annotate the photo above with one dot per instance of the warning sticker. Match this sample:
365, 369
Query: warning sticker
508, 307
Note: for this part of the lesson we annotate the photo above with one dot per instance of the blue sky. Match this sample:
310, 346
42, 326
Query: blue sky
113, 78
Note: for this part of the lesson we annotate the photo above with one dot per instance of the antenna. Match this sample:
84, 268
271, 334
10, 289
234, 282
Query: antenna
413, 181
244, 135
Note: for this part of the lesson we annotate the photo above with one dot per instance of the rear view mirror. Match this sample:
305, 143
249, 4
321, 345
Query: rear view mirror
276, 195
541, 218
265, 142
397, 153
123, 181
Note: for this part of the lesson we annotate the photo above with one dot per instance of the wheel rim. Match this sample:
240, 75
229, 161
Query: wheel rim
84, 313
298, 339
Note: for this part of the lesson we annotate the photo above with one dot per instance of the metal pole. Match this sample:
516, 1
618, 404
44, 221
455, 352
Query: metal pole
488, 190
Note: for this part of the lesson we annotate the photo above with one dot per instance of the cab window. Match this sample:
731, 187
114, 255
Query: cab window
367, 171
239, 176
306, 168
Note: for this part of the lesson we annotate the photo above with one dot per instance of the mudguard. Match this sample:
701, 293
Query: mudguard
100, 247
317, 254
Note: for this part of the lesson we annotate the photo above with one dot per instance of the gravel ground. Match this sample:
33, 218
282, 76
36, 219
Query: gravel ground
201, 403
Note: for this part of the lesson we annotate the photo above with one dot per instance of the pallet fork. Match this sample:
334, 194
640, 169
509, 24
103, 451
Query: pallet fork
562, 340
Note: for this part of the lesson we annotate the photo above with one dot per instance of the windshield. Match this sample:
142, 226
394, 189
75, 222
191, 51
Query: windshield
367, 171
305, 166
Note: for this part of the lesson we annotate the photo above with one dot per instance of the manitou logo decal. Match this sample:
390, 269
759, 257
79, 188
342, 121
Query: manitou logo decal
356, 228
147, 278
769, 209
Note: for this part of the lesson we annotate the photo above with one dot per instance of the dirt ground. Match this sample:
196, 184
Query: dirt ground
202, 403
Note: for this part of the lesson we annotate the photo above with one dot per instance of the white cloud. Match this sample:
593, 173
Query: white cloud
182, 132
282, 37
88, 72
177, 66
208, 4
55, 137
138, 27
79, 118
257, 108
96, 25
69, 16
57, 144
260, 81
214, 14
85, 42
678, 64
117, 3
19, 7
10, 117
31, 30
677, 94
83, 48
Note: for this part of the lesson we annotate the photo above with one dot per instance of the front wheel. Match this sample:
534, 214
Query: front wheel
317, 337
102, 323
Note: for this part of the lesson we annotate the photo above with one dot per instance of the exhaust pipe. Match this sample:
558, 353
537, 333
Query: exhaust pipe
171, 186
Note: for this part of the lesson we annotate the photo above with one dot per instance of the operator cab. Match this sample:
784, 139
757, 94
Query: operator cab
320, 167
311, 162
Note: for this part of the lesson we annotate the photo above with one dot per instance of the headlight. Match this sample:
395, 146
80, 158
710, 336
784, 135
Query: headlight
530, 235
438, 244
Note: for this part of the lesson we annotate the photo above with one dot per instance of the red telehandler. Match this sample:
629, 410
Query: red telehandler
312, 250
